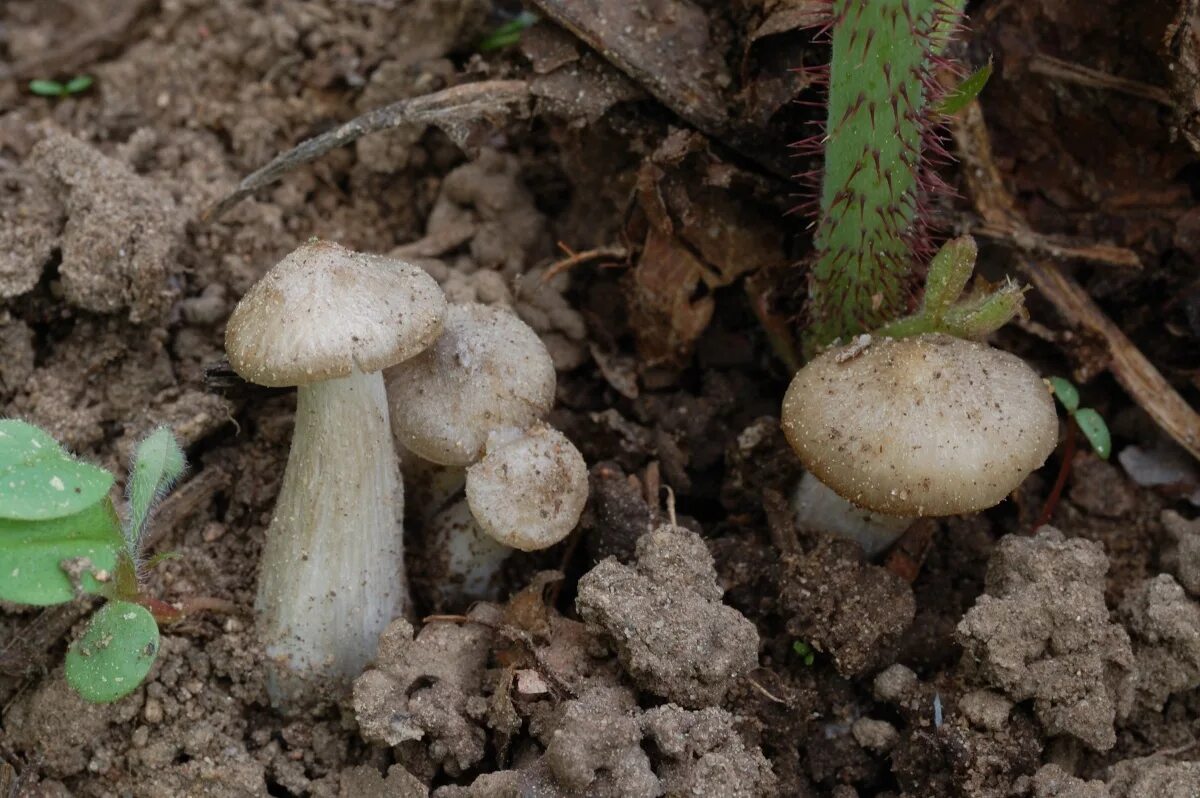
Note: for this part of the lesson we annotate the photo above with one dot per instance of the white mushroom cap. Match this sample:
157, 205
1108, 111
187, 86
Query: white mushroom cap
325, 311
529, 489
487, 370
931, 425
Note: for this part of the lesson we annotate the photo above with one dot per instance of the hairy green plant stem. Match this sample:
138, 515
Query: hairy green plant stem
869, 197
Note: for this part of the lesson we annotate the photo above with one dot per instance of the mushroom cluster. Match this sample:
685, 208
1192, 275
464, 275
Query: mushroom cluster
468, 386
475, 401
925, 426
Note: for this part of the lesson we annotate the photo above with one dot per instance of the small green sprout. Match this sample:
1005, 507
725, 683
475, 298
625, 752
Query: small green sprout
60, 537
950, 307
509, 33
960, 97
53, 88
805, 652
1088, 420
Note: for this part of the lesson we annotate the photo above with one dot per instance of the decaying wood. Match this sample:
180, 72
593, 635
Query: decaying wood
453, 110
28, 650
1133, 371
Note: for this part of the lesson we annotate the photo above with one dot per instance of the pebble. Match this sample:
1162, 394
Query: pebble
153, 711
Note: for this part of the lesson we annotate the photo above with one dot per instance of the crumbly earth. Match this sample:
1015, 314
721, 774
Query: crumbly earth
1041, 631
837, 603
670, 331
1164, 625
665, 619
120, 233
441, 699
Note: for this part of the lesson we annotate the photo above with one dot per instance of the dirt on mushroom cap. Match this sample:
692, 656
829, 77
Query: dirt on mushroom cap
325, 311
487, 370
931, 425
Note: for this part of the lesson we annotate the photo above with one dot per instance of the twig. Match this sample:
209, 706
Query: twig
573, 259
1176, 751
1133, 371
456, 619
450, 109
1052, 67
1053, 246
769, 695
1136, 374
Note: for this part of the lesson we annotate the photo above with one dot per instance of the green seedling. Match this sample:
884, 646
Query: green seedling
60, 537
53, 88
509, 33
949, 307
805, 652
968, 90
1087, 421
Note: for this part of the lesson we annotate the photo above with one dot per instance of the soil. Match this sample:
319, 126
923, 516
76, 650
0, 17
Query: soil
687, 639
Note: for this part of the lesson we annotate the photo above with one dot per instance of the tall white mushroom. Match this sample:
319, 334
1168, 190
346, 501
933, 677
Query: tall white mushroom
924, 426
331, 577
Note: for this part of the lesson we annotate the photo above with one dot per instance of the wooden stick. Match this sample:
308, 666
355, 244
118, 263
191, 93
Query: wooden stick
1136, 374
451, 108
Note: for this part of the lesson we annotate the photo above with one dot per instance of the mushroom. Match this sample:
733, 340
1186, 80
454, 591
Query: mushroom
487, 370
328, 320
528, 491
462, 563
924, 426
473, 400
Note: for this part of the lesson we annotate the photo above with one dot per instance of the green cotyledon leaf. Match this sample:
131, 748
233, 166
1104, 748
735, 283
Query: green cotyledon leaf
1095, 430
39, 480
114, 654
48, 562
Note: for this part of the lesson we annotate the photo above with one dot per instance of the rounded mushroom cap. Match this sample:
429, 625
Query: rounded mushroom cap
487, 370
325, 311
528, 491
931, 425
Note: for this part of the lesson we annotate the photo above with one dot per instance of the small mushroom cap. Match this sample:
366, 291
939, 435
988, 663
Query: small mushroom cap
325, 311
930, 425
529, 490
487, 370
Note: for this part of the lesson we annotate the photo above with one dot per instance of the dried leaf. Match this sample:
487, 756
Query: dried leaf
666, 311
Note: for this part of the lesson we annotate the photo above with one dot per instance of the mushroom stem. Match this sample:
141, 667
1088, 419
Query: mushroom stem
332, 570
463, 562
818, 507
